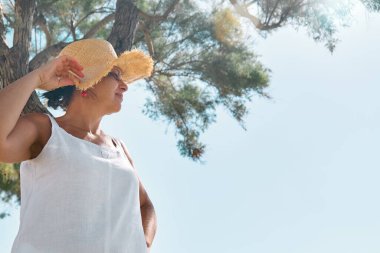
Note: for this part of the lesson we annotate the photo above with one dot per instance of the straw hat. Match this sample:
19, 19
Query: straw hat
98, 57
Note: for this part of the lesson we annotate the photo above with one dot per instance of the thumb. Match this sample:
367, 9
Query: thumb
71, 79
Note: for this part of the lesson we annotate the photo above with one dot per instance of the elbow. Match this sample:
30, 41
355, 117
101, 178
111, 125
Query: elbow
146, 204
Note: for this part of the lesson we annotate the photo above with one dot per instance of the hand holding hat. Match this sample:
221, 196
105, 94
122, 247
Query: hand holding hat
61, 71
98, 57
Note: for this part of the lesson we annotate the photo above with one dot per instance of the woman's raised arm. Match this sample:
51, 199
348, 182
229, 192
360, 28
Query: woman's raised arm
18, 134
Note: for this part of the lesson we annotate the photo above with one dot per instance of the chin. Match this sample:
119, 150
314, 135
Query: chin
118, 108
114, 109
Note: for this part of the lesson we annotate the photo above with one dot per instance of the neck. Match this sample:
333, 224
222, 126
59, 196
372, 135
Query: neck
79, 116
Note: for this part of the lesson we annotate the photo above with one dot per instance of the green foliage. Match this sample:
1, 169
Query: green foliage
9, 184
196, 71
227, 28
69, 20
373, 5
201, 60
324, 19
237, 75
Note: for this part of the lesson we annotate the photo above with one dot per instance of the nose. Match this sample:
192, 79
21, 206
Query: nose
123, 86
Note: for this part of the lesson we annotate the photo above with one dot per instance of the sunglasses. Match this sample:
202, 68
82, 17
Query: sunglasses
115, 75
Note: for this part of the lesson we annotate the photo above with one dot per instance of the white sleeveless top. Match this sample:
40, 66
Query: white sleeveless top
79, 197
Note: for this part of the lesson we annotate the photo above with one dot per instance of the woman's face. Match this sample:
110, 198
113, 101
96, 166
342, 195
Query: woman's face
109, 91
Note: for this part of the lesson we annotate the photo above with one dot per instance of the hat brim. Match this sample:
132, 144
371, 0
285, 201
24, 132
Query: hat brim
134, 65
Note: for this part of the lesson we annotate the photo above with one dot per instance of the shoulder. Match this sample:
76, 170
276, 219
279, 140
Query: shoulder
37, 118
42, 122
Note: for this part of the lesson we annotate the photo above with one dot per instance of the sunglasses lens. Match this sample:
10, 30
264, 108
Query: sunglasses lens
115, 76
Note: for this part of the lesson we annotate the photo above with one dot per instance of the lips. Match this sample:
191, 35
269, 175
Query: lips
119, 95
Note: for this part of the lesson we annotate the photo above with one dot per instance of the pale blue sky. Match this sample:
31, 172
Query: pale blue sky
303, 178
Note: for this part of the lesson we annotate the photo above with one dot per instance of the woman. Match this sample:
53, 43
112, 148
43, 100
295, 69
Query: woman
79, 190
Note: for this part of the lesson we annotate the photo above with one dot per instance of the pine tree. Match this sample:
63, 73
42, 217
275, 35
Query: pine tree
201, 59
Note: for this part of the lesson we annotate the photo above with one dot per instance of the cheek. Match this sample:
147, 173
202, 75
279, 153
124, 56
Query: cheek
106, 90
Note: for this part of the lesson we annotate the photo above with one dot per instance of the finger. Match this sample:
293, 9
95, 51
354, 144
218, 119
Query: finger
74, 63
74, 78
65, 70
63, 73
60, 69
70, 65
76, 72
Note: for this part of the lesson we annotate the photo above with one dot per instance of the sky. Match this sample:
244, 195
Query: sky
302, 178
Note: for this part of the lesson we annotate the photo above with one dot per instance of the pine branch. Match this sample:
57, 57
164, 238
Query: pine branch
99, 25
159, 17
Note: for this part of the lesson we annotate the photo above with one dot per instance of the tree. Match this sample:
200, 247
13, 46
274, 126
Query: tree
201, 58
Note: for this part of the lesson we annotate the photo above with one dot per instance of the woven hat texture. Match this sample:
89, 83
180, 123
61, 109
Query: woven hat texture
98, 57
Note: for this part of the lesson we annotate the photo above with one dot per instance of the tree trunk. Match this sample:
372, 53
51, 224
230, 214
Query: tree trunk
14, 62
124, 27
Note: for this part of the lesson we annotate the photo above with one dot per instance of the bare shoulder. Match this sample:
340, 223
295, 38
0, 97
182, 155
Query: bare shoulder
43, 124
36, 117
26, 139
